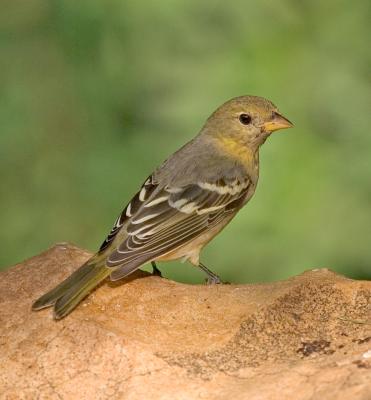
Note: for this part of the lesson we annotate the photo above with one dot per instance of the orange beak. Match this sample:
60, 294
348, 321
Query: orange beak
277, 122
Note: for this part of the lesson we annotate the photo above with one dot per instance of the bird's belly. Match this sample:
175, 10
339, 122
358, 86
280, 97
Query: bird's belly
191, 250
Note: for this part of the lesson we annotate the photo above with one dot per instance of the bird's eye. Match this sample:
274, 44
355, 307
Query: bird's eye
245, 119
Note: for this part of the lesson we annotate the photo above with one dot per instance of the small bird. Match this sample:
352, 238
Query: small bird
184, 204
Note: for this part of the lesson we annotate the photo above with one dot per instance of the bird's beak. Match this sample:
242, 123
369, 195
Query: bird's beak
277, 122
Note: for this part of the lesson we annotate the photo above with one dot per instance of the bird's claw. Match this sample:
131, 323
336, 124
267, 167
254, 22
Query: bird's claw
155, 270
213, 280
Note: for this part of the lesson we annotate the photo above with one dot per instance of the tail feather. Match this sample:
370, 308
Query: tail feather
72, 297
66, 296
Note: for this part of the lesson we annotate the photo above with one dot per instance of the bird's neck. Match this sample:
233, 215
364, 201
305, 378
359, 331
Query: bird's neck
236, 148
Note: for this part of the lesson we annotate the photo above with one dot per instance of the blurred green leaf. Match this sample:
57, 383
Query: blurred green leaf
94, 95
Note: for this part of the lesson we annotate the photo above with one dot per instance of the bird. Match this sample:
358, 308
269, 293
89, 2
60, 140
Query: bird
183, 204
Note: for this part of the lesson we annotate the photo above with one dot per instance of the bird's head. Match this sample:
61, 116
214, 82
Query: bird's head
247, 120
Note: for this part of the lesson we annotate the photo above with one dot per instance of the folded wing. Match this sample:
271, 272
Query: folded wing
160, 220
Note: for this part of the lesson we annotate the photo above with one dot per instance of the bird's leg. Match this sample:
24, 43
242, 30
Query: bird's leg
155, 270
212, 278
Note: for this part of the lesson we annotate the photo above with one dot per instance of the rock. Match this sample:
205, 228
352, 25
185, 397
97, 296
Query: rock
150, 338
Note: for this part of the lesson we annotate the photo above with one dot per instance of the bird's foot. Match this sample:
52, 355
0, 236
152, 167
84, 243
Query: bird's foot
155, 270
213, 280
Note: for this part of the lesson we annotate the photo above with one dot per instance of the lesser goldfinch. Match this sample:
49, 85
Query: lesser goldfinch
188, 200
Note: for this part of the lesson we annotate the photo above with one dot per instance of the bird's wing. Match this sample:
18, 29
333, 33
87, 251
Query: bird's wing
161, 219
147, 189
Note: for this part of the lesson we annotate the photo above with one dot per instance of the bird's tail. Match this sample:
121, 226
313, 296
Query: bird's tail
68, 294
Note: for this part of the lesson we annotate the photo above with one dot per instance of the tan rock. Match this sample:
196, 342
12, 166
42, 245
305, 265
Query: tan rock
150, 338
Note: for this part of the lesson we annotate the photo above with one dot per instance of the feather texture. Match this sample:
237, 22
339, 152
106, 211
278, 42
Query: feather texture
170, 217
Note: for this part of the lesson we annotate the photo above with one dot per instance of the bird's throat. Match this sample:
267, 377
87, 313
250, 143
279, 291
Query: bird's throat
239, 150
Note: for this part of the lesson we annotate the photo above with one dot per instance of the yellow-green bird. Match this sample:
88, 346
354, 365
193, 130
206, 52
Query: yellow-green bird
187, 201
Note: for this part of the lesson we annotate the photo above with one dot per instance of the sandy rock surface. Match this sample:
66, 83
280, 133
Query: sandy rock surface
150, 338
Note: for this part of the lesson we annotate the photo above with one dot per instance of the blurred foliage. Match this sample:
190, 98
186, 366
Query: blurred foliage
94, 94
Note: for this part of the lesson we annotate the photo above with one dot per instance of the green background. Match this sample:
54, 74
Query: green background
95, 94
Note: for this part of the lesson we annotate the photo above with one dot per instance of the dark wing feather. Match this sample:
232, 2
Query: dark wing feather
132, 208
173, 216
